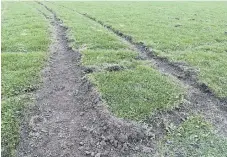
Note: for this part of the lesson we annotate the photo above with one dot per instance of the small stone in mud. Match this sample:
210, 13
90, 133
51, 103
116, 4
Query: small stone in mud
87, 152
98, 155
105, 128
115, 144
123, 138
103, 143
92, 154
125, 147
81, 113
137, 148
34, 120
146, 149
80, 148
81, 143
105, 153
225, 32
84, 128
177, 18
96, 100
103, 137
119, 146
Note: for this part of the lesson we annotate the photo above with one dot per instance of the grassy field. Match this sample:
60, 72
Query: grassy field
181, 31
137, 90
24, 45
122, 90
188, 32
195, 137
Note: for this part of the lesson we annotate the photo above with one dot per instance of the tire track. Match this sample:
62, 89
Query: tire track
69, 119
199, 98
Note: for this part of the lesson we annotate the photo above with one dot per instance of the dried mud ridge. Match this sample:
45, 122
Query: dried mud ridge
69, 119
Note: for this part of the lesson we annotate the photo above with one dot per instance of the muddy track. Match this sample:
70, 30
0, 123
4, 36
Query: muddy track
69, 119
180, 70
199, 99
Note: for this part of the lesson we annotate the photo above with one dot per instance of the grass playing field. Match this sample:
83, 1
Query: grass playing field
194, 33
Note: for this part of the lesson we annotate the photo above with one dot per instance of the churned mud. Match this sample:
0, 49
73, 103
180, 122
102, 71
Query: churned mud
199, 99
69, 118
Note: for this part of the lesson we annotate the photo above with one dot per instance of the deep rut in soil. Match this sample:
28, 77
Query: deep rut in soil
68, 118
199, 98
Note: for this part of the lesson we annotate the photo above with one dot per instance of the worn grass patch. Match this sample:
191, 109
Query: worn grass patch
20, 75
136, 93
194, 138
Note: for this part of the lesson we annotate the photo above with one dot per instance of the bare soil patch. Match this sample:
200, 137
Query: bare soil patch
69, 118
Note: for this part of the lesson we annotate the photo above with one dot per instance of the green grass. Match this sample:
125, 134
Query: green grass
136, 93
22, 29
24, 45
194, 138
20, 72
132, 94
99, 57
154, 23
12, 109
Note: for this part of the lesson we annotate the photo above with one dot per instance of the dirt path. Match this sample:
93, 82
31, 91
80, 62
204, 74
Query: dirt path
199, 99
68, 118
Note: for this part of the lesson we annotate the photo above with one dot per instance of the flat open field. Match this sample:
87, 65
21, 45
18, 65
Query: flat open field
109, 79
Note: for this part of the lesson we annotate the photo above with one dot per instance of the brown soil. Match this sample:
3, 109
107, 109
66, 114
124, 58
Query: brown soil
69, 119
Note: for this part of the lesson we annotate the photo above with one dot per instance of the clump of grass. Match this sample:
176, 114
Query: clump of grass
195, 137
135, 93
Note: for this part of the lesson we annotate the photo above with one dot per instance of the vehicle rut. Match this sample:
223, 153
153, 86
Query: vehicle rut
69, 118
199, 98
